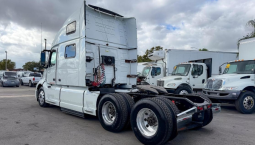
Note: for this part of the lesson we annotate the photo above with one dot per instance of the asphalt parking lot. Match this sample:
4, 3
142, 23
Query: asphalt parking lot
24, 122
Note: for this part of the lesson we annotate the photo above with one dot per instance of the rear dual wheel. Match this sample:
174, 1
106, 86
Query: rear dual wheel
153, 121
114, 111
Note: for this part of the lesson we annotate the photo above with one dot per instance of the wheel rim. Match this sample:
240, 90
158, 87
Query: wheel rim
108, 112
248, 102
147, 122
41, 97
183, 92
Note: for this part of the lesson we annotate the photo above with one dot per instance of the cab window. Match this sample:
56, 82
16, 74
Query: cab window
156, 71
70, 51
197, 70
53, 59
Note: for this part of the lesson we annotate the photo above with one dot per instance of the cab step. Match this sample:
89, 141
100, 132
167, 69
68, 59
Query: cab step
72, 112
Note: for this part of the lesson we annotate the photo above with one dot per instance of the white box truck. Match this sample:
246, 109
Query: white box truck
184, 71
92, 70
236, 84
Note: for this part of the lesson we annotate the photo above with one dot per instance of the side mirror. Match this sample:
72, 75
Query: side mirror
43, 59
220, 70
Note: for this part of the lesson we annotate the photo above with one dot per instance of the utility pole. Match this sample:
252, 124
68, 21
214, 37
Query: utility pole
6, 61
41, 36
45, 43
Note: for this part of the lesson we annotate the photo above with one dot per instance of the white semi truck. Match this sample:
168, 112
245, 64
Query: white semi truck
236, 84
92, 70
184, 71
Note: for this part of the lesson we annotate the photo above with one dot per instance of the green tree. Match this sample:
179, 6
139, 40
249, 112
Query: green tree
250, 23
31, 65
10, 65
204, 49
145, 58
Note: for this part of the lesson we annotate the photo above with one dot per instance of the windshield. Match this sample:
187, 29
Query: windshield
10, 74
146, 71
240, 67
181, 70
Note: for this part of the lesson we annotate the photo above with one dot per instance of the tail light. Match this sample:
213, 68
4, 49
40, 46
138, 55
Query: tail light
200, 108
209, 106
33, 79
139, 80
173, 101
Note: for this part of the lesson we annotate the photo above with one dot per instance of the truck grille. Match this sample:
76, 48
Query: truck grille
214, 84
160, 83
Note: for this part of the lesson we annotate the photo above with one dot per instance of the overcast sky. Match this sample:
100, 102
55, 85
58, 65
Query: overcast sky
172, 24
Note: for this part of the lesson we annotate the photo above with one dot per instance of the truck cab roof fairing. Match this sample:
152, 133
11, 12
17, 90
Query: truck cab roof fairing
100, 28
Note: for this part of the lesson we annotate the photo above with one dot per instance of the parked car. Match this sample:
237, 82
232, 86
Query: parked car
9, 78
1, 73
22, 74
31, 79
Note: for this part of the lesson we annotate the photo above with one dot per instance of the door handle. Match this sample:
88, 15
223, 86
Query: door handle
59, 80
54, 79
49, 86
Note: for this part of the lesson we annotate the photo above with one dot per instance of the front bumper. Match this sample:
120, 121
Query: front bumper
222, 95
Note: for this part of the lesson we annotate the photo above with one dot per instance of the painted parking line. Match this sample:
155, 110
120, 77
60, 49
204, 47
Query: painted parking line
12, 96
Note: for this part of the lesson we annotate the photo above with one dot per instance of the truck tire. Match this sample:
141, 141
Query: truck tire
21, 82
130, 103
245, 102
170, 104
206, 98
30, 84
112, 112
41, 98
152, 121
182, 90
174, 110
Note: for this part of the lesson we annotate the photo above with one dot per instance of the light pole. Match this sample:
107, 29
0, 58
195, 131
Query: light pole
6, 61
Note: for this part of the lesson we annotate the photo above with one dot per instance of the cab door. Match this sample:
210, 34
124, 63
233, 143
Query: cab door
51, 70
51, 89
156, 73
198, 76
